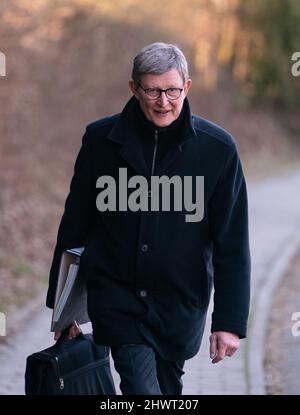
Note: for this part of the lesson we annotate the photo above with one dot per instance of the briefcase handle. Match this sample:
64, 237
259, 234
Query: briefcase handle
64, 336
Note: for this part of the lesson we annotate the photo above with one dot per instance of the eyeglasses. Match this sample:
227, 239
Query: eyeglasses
155, 93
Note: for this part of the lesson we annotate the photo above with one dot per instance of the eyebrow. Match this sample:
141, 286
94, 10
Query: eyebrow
156, 87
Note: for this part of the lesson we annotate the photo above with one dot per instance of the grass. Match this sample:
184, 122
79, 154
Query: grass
20, 282
19, 266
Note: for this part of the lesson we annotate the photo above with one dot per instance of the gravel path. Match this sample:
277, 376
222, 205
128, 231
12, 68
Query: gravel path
274, 224
282, 352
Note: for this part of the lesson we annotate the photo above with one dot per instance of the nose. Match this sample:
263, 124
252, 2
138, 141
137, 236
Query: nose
163, 100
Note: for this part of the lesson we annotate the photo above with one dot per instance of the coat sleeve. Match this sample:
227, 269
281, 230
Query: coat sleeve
78, 215
231, 254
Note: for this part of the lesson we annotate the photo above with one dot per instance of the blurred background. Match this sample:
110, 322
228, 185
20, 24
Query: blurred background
68, 63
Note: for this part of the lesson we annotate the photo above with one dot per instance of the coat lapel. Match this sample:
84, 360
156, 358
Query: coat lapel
125, 134
132, 152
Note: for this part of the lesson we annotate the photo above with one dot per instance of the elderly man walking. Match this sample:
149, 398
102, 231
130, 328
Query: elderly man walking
149, 271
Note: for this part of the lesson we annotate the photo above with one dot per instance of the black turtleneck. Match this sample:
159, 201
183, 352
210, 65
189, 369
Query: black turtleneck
167, 136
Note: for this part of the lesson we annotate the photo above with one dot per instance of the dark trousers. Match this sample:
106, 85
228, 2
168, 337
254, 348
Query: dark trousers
144, 372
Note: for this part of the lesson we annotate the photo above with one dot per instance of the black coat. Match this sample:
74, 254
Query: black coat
149, 274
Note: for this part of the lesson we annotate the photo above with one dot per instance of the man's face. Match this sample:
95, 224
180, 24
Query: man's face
161, 111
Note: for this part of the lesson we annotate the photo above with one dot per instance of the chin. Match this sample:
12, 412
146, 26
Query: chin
162, 122
165, 124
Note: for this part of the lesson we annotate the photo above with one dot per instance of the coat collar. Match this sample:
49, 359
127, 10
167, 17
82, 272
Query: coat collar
126, 134
125, 126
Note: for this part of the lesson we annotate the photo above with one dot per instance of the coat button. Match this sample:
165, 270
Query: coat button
143, 293
145, 248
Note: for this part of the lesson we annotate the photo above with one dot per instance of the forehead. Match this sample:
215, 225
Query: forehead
168, 79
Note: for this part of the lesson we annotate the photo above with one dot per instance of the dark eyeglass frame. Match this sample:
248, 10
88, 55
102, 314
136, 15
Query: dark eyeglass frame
160, 92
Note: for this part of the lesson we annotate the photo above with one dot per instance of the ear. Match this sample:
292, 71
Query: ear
187, 86
133, 89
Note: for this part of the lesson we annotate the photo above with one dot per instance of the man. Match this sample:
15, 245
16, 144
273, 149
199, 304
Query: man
149, 272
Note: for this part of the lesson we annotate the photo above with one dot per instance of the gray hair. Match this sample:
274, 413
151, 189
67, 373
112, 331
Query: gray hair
158, 58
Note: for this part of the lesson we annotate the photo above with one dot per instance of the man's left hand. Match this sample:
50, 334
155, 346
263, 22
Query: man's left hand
222, 344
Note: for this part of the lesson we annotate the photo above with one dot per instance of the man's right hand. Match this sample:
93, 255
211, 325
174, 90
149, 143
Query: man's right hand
74, 330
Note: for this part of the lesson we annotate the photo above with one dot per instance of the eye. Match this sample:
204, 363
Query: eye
173, 91
152, 91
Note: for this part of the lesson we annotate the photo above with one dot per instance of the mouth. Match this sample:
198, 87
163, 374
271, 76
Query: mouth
162, 112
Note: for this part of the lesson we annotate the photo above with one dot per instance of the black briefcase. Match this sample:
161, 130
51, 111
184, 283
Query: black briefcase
70, 367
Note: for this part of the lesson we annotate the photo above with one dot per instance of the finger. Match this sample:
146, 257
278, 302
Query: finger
220, 356
71, 333
221, 352
230, 352
77, 328
75, 331
213, 346
217, 359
